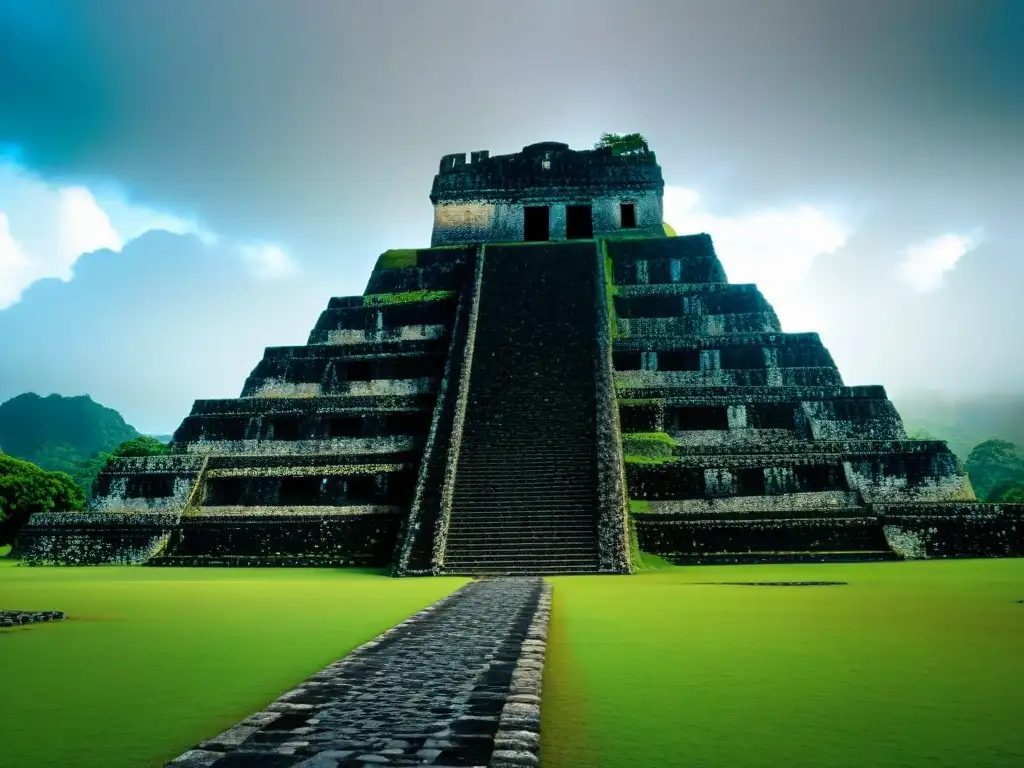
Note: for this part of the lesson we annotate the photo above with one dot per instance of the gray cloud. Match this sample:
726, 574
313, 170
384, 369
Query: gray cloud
319, 125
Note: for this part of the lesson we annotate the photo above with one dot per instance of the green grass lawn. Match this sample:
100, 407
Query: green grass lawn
154, 660
912, 664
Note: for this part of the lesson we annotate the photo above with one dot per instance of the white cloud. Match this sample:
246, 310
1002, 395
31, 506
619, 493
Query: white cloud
923, 265
12, 264
82, 227
772, 247
133, 220
45, 228
268, 261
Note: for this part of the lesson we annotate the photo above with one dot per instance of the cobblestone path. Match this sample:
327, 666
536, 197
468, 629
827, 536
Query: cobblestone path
457, 684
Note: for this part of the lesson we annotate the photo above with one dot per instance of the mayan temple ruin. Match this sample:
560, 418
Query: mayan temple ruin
553, 386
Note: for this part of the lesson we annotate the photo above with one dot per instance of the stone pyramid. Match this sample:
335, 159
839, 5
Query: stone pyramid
551, 387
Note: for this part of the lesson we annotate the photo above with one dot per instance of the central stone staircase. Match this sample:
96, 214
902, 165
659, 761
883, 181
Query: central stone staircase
525, 497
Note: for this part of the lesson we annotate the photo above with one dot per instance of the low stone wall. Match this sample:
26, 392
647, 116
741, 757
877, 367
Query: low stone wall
465, 366
953, 529
613, 542
908, 531
684, 538
241, 540
93, 538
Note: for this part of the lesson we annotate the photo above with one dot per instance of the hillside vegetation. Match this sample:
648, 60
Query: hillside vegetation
57, 432
75, 435
26, 489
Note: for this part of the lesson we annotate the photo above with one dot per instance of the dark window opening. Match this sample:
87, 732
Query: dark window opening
225, 491
149, 486
819, 478
401, 487
536, 223
299, 491
679, 360
223, 428
750, 481
697, 417
639, 419
742, 357
626, 361
363, 489
628, 212
579, 222
344, 426
286, 428
770, 416
408, 423
359, 370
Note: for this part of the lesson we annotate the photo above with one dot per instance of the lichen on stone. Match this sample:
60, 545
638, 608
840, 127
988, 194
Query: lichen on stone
397, 258
406, 297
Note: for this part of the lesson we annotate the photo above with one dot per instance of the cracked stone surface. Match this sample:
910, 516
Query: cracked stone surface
432, 690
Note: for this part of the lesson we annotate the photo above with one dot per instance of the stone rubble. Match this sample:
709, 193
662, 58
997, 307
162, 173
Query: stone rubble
19, 618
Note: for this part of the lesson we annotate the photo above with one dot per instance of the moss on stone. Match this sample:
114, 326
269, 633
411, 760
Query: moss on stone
639, 506
406, 297
640, 401
610, 289
650, 460
398, 258
648, 445
639, 560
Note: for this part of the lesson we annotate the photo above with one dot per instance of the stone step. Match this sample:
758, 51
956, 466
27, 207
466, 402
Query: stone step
498, 555
524, 512
526, 463
550, 487
481, 527
546, 547
515, 473
534, 521
511, 567
530, 515
526, 481
563, 530
526, 491
581, 555
531, 447
513, 465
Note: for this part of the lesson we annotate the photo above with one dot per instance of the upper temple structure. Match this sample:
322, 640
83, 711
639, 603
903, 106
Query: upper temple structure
553, 386
546, 192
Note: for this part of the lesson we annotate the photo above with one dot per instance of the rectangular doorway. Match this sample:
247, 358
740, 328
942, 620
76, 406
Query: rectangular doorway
579, 222
627, 213
536, 223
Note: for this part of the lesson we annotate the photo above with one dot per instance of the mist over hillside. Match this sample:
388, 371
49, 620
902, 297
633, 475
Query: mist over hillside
962, 421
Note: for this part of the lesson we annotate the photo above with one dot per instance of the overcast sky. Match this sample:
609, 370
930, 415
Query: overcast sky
184, 183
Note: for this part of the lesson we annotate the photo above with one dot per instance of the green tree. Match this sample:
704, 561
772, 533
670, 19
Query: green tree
993, 465
143, 445
1012, 495
85, 472
26, 489
623, 144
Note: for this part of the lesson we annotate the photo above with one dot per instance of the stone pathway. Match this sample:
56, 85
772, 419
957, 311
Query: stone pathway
457, 684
